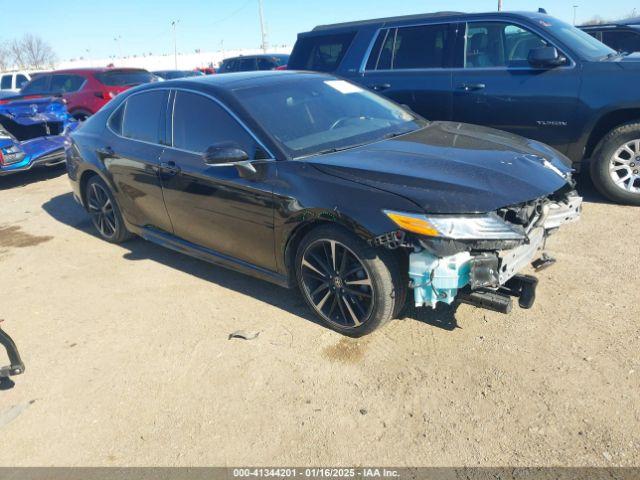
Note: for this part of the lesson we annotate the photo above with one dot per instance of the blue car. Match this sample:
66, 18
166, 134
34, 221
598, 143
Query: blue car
33, 133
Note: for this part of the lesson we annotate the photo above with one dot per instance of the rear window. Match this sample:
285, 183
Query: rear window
122, 78
6, 82
143, 116
66, 83
321, 53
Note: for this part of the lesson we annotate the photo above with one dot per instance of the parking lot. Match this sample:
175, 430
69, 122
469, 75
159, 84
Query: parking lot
129, 361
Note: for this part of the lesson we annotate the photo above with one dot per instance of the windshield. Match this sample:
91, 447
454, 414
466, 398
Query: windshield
321, 114
579, 41
121, 78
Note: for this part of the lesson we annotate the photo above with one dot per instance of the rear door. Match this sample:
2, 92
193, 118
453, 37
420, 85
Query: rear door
411, 65
132, 157
214, 206
497, 87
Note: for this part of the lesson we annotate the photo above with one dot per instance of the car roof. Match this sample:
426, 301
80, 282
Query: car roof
231, 81
453, 16
87, 71
258, 55
618, 23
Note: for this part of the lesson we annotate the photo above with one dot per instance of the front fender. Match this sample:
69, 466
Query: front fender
306, 197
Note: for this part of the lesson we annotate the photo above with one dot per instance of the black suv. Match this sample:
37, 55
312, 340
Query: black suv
527, 73
623, 36
250, 63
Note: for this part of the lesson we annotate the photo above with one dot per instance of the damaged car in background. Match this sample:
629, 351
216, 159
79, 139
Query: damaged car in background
306, 180
33, 133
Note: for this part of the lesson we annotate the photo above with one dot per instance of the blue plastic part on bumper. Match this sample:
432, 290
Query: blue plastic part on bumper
436, 279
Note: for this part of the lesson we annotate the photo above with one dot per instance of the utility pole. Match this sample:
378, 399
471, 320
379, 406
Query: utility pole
499, 5
264, 33
117, 40
575, 13
175, 45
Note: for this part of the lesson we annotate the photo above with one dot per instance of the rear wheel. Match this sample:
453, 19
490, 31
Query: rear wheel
104, 211
352, 287
615, 167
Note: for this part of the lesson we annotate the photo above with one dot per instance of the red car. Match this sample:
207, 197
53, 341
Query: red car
85, 90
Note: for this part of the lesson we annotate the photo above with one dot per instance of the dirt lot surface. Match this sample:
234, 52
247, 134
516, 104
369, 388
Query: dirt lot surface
129, 361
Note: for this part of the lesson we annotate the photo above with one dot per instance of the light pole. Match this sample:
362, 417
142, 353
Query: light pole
264, 33
499, 5
575, 13
175, 45
117, 40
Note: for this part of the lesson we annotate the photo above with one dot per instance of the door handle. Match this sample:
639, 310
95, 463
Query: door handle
380, 86
472, 87
169, 168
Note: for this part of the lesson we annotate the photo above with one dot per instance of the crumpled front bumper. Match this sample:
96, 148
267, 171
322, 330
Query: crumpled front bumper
440, 279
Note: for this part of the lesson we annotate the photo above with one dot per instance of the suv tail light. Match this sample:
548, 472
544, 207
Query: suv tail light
11, 155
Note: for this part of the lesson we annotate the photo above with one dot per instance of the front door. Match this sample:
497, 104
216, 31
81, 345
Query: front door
217, 207
497, 86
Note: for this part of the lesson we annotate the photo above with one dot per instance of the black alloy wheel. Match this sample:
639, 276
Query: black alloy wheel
104, 211
352, 287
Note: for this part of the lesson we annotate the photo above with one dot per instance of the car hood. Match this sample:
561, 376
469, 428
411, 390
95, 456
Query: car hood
454, 168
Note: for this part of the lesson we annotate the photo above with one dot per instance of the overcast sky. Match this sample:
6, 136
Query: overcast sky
87, 28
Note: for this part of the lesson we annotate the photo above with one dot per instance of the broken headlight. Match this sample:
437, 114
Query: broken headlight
459, 227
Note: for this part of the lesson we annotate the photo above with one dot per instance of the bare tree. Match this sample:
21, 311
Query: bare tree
32, 52
5, 58
598, 20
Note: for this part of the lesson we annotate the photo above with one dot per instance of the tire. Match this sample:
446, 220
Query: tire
81, 115
616, 156
352, 288
104, 212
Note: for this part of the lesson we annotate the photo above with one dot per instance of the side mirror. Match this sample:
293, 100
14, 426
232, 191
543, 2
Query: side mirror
546, 57
224, 155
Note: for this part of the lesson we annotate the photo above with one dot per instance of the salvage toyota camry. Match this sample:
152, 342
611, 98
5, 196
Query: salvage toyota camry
307, 180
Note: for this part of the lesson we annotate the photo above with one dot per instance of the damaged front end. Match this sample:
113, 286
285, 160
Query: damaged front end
476, 259
33, 133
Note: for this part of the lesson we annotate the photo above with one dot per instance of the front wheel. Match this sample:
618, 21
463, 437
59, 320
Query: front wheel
615, 167
352, 287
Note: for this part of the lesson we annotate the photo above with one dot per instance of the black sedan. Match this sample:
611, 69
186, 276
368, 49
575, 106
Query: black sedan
307, 180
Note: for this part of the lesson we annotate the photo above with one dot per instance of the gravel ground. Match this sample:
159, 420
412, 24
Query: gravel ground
129, 361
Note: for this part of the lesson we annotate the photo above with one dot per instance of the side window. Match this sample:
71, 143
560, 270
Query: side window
66, 83
21, 80
143, 116
320, 53
622, 41
420, 47
380, 57
37, 85
595, 34
230, 66
5, 83
495, 44
246, 64
115, 121
266, 63
199, 122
